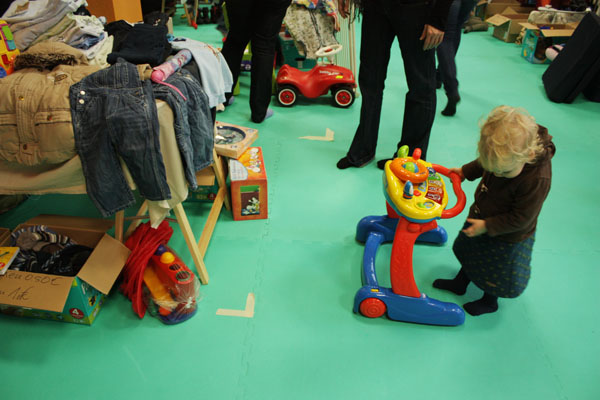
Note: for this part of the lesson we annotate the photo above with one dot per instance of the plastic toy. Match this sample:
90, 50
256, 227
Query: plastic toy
161, 72
316, 82
416, 198
8, 49
172, 286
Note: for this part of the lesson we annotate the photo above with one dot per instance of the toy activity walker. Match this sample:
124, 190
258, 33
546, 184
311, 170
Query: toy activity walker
415, 198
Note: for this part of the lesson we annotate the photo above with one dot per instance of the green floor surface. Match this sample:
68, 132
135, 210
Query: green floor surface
303, 266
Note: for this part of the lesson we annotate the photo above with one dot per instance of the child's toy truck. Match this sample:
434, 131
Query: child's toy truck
314, 83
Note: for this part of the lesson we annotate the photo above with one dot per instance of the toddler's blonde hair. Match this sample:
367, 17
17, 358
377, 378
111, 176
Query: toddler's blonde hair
508, 136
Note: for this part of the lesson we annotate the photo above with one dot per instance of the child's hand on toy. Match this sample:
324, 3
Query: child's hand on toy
476, 228
432, 37
459, 172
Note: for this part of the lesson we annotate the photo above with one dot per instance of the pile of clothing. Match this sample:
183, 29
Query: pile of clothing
45, 251
81, 87
33, 22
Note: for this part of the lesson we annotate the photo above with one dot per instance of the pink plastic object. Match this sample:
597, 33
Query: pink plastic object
163, 71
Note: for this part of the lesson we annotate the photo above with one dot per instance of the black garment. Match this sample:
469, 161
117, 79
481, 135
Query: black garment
382, 22
119, 30
156, 18
144, 44
437, 17
257, 22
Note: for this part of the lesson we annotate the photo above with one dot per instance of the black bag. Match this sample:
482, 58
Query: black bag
592, 91
577, 64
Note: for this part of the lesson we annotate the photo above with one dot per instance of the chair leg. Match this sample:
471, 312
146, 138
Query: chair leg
119, 221
211, 221
136, 222
221, 179
188, 234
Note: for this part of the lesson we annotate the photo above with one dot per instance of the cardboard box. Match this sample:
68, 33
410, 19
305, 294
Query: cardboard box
507, 27
114, 10
232, 140
538, 37
208, 187
249, 186
4, 234
61, 298
485, 9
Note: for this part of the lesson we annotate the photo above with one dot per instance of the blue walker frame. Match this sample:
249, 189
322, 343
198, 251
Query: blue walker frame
405, 302
376, 230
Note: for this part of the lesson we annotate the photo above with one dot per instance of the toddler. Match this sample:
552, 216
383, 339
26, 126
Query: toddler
494, 247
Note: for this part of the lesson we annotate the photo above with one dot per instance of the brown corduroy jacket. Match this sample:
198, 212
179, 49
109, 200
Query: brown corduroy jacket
35, 113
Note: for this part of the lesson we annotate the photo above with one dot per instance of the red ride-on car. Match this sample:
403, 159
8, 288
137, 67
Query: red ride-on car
314, 83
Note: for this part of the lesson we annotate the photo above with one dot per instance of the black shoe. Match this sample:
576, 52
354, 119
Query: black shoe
345, 163
450, 109
381, 163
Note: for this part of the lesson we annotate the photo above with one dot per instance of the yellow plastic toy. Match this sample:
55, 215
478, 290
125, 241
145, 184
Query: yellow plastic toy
414, 187
8, 49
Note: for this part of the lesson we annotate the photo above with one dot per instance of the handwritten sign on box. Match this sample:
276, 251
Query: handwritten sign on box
33, 290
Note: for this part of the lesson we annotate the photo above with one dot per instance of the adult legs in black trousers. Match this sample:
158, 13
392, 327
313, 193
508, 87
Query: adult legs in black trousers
446, 52
258, 22
382, 22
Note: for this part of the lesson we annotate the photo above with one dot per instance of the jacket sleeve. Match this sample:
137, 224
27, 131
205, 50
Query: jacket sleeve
529, 198
472, 170
439, 14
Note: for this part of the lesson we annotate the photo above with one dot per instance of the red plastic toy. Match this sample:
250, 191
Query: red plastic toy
172, 286
314, 83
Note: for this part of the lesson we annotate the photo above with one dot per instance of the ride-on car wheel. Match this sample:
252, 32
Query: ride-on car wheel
287, 95
343, 96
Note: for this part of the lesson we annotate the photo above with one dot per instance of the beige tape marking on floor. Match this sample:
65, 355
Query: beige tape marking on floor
247, 313
328, 136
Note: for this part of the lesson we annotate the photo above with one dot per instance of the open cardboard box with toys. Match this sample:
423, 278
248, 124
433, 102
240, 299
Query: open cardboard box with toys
74, 299
538, 37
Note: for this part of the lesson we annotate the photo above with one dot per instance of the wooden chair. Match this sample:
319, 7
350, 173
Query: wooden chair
206, 177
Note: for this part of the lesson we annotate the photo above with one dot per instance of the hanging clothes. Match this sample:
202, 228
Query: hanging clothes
312, 24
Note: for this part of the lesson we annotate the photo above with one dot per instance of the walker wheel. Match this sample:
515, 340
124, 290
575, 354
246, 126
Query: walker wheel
372, 308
